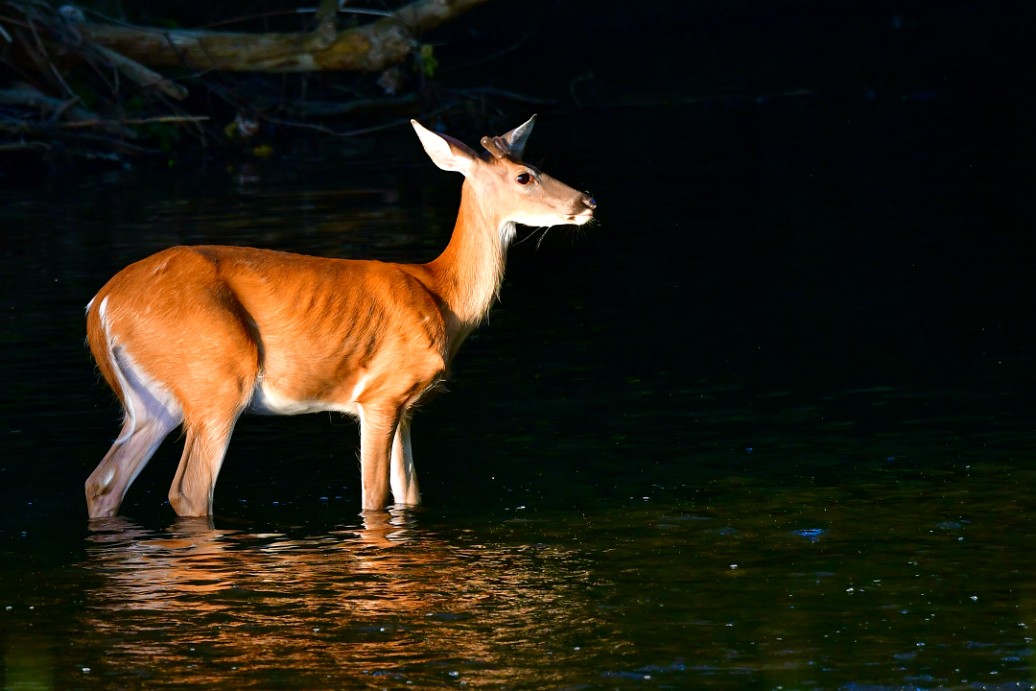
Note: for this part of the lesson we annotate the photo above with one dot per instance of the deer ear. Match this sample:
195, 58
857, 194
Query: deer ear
511, 143
445, 152
496, 146
517, 138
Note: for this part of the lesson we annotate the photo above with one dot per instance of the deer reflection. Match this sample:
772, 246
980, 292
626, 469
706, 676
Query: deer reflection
380, 599
193, 560
149, 571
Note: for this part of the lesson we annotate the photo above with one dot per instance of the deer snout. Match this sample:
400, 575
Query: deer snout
584, 210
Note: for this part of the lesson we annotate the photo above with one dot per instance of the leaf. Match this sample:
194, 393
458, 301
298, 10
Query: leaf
426, 60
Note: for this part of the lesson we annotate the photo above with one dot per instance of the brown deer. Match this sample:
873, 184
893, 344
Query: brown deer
196, 336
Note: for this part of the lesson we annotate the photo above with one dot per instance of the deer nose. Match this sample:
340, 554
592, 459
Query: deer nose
589, 201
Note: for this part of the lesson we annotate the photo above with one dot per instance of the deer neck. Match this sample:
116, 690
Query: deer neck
469, 271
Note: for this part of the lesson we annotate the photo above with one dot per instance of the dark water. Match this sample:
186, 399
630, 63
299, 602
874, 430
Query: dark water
768, 425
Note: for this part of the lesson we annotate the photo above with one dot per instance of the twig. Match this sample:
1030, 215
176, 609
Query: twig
60, 112
489, 57
31, 98
61, 80
508, 94
22, 146
311, 108
143, 76
326, 19
134, 121
110, 144
283, 13
337, 133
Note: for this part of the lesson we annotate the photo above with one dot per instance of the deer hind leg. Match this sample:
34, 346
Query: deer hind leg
221, 394
150, 414
403, 478
219, 376
204, 450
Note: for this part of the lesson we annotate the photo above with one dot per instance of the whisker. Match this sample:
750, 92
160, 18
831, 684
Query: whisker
532, 234
523, 239
540, 241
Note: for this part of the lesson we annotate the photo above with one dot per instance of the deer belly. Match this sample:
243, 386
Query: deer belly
268, 400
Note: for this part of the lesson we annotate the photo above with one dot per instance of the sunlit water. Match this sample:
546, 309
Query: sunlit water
768, 425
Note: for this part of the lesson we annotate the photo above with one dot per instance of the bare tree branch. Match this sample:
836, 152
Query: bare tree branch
369, 48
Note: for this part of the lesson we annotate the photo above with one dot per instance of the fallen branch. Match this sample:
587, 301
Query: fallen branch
369, 48
56, 61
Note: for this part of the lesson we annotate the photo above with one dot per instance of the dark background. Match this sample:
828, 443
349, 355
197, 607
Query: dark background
830, 119
635, 53
769, 422
810, 197
804, 195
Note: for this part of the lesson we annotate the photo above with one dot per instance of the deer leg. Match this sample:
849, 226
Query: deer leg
221, 370
404, 474
150, 414
377, 428
195, 481
106, 487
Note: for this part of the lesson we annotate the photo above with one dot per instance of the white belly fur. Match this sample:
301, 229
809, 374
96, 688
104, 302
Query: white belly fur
269, 401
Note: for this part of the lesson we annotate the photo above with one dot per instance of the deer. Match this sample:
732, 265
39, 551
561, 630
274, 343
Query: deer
193, 337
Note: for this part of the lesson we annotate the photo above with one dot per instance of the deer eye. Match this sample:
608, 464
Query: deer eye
523, 178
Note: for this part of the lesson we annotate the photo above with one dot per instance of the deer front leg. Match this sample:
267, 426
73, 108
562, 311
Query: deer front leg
404, 475
377, 428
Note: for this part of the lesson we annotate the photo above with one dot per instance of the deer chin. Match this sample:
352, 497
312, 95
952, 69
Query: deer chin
551, 220
581, 218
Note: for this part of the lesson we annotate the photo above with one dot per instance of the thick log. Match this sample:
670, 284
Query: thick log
369, 48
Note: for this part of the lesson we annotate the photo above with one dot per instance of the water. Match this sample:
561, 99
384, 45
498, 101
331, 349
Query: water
768, 425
